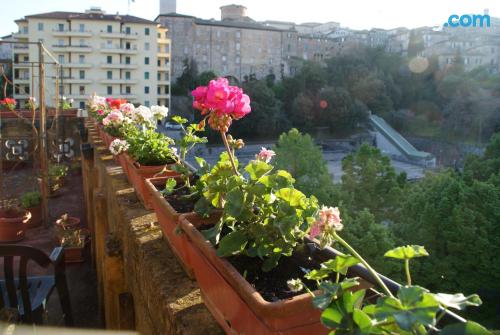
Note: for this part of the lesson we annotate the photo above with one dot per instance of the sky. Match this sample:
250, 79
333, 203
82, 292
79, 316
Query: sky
356, 14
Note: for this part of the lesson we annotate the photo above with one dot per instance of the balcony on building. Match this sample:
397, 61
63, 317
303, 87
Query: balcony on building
77, 65
116, 49
118, 66
118, 81
163, 96
163, 82
127, 96
71, 33
163, 40
20, 35
73, 81
71, 48
121, 35
163, 55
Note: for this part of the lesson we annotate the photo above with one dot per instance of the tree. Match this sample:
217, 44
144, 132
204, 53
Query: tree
187, 81
297, 153
204, 78
370, 181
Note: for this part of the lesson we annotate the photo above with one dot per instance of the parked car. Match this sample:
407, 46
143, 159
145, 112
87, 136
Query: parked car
173, 126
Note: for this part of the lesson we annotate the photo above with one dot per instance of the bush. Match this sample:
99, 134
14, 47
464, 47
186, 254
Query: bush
31, 199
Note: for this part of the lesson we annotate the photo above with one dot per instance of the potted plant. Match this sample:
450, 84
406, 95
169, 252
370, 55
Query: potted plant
31, 201
118, 148
66, 222
57, 174
74, 241
12, 221
172, 196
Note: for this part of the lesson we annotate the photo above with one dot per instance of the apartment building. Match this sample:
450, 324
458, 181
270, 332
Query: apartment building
108, 54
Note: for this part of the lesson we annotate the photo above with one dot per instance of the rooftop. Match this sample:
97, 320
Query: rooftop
90, 15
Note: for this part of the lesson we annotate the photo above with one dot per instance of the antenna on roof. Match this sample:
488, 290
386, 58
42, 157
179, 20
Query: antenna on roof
128, 8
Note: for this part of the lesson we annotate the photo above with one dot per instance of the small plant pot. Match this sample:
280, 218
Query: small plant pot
71, 224
137, 175
13, 224
36, 217
55, 186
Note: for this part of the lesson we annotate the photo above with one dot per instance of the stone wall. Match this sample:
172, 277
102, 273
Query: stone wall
141, 284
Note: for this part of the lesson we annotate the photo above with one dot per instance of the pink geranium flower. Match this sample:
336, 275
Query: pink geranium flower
265, 155
328, 220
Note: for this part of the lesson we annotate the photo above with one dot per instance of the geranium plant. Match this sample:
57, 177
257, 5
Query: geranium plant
8, 103
148, 147
345, 310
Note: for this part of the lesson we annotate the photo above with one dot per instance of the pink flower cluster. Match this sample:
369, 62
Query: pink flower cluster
222, 102
113, 118
265, 155
328, 220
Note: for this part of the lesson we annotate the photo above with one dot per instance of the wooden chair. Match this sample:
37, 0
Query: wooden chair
28, 295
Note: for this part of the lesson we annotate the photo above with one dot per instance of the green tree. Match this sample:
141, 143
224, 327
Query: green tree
370, 181
204, 78
297, 153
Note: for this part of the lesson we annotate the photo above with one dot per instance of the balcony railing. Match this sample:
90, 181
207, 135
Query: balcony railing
117, 49
118, 81
123, 35
82, 33
71, 48
118, 66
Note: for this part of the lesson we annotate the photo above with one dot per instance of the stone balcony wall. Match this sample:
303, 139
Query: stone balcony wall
141, 285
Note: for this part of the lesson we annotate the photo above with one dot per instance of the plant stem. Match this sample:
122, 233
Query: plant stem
337, 278
407, 270
365, 263
231, 158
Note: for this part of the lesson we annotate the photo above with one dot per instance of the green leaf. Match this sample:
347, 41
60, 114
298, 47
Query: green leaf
414, 306
202, 207
332, 317
235, 203
407, 252
170, 186
294, 197
466, 328
178, 119
458, 301
341, 263
352, 299
202, 163
213, 234
257, 169
322, 301
232, 243
363, 321
317, 274
270, 262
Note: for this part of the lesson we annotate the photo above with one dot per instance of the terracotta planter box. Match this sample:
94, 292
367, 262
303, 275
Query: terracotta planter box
36, 217
137, 175
236, 305
74, 254
12, 225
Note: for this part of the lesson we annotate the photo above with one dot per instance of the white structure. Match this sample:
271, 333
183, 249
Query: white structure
168, 6
111, 55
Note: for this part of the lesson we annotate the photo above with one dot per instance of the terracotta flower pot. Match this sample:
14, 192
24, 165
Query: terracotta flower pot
236, 305
71, 223
36, 217
168, 219
107, 138
74, 254
122, 160
137, 175
13, 224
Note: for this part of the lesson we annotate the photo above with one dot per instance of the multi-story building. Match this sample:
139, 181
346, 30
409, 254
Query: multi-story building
112, 55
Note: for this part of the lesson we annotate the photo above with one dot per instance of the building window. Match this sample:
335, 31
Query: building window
109, 28
40, 26
81, 27
127, 60
82, 43
82, 104
224, 58
159, 62
60, 42
238, 46
82, 74
127, 45
158, 77
217, 34
238, 60
146, 60
109, 44
60, 27
146, 31
238, 34
127, 90
109, 90
61, 59
127, 30
109, 59
109, 74
127, 75
146, 75
82, 90
146, 89
146, 46
81, 59
146, 103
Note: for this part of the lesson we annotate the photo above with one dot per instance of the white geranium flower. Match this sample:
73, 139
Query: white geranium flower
118, 147
159, 112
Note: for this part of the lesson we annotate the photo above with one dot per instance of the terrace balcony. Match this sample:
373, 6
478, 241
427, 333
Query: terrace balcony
71, 33
77, 65
116, 49
119, 66
72, 48
118, 81
120, 35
